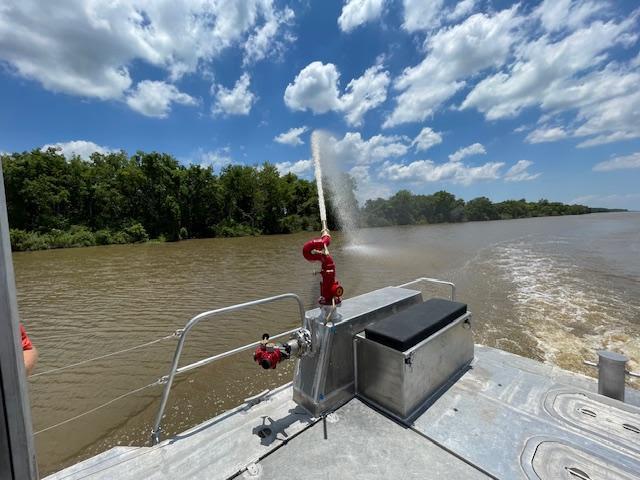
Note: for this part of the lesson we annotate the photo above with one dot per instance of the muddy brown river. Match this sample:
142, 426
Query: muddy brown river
553, 289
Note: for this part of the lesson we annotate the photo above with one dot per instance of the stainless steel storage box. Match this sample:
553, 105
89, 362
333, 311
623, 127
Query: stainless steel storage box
403, 383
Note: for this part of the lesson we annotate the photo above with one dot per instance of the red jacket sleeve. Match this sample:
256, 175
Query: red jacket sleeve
26, 343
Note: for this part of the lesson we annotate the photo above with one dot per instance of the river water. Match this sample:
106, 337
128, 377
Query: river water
553, 289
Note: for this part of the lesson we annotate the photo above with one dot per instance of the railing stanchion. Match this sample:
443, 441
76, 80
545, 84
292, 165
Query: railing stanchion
433, 280
168, 380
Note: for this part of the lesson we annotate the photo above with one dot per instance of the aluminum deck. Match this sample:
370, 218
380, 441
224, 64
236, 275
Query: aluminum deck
507, 417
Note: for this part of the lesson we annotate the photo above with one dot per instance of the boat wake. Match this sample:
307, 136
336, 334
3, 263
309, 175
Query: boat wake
568, 310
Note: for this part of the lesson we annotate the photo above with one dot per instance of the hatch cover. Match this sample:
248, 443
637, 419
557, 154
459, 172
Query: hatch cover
618, 423
555, 461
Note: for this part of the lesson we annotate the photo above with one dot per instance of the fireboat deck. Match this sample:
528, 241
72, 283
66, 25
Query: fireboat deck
507, 417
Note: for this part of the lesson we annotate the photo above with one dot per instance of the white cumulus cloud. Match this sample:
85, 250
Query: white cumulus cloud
421, 14
520, 172
623, 162
357, 12
316, 89
216, 159
544, 71
568, 72
562, 14
461, 10
426, 139
474, 149
154, 99
234, 101
546, 134
86, 48
428, 171
299, 168
454, 53
264, 41
353, 149
80, 148
364, 93
291, 136
607, 120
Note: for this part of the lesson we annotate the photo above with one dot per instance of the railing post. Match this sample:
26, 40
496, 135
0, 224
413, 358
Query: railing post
433, 280
168, 380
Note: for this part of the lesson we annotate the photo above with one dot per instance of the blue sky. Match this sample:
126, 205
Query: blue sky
477, 97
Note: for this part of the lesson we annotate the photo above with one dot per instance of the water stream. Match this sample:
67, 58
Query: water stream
316, 139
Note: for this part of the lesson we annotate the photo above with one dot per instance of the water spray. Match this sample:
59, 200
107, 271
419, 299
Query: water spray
315, 151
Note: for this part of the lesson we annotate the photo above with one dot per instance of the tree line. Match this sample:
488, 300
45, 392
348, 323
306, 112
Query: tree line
113, 198
405, 208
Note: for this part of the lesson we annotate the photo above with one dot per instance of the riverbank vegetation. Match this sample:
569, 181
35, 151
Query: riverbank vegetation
113, 199
404, 208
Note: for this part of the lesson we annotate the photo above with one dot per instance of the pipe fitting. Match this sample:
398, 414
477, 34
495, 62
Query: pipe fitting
269, 354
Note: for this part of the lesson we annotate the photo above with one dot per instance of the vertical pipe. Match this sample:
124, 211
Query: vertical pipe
611, 374
17, 441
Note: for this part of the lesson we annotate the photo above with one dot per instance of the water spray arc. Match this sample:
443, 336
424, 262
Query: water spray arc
315, 151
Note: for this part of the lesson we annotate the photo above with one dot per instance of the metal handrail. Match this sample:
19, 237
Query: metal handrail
168, 379
433, 280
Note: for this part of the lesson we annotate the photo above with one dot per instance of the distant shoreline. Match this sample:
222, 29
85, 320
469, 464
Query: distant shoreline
163, 240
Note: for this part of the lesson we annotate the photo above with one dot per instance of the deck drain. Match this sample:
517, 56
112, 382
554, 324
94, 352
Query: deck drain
264, 432
631, 428
587, 411
577, 473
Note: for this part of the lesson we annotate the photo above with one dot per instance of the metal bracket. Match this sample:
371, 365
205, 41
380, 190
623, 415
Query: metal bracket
179, 332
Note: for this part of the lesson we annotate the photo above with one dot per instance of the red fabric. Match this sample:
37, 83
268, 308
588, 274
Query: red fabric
26, 343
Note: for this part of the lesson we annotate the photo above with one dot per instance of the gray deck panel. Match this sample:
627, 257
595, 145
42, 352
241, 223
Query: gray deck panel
216, 449
498, 406
362, 444
498, 359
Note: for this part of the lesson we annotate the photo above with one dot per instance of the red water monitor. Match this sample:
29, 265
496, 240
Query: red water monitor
316, 250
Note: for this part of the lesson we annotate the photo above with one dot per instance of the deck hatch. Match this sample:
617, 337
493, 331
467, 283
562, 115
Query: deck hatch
614, 421
554, 460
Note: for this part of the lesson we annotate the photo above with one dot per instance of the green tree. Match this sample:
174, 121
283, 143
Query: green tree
480, 208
